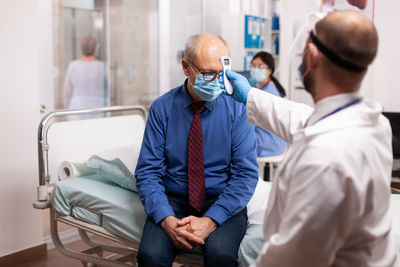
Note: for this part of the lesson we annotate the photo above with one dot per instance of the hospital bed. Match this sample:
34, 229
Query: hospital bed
98, 206
90, 202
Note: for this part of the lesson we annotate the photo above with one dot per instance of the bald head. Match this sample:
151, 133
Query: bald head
350, 35
198, 44
338, 53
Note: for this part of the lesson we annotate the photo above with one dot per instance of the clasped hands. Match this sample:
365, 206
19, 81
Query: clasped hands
188, 232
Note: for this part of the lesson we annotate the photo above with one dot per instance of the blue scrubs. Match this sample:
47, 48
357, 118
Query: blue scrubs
269, 144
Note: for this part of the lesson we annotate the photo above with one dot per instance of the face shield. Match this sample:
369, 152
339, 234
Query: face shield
302, 32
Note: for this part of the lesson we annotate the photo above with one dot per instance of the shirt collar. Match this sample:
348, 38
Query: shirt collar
188, 100
329, 104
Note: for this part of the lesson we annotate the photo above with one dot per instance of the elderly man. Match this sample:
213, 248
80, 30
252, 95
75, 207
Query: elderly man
197, 168
329, 205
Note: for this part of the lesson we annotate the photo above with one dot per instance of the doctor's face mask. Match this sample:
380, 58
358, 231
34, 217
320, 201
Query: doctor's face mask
304, 73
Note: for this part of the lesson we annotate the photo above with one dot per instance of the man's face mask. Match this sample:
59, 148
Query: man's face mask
207, 90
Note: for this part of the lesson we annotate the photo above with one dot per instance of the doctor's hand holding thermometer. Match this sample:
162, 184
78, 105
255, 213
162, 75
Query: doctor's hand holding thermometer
239, 83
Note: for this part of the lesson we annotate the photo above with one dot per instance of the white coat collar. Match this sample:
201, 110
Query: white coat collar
364, 113
329, 104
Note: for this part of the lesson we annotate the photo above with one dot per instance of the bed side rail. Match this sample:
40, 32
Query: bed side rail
43, 147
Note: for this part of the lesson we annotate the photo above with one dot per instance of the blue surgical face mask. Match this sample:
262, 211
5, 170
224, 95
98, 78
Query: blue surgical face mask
258, 75
207, 91
300, 73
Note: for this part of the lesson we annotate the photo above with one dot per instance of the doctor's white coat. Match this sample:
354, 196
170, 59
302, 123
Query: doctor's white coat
329, 204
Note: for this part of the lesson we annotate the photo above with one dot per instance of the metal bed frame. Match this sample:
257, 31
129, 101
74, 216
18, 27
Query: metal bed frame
123, 254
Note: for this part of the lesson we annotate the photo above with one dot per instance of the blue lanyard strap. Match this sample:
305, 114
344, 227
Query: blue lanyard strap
355, 101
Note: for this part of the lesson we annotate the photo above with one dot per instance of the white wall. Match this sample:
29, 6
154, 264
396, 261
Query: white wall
386, 69
20, 224
46, 55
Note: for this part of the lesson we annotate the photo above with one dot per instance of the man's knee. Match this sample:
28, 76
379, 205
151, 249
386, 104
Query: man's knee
149, 256
221, 252
151, 253
220, 257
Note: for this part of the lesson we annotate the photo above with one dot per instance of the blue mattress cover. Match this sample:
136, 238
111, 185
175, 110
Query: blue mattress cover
96, 200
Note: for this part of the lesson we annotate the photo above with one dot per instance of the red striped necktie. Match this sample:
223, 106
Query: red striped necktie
196, 182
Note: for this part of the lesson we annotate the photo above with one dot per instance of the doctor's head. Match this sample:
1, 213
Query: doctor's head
337, 54
201, 65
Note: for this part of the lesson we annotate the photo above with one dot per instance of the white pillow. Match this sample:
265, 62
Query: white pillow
258, 202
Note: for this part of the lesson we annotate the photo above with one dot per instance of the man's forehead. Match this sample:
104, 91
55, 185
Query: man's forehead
209, 60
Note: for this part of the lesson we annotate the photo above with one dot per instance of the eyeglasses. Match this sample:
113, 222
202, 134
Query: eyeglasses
263, 67
208, 76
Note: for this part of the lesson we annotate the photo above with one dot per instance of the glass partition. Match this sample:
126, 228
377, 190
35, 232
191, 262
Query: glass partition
127, 36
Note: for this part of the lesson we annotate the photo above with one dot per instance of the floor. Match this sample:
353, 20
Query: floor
55, 258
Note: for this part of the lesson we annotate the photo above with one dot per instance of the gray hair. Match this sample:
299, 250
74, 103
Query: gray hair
88, 45
192, 45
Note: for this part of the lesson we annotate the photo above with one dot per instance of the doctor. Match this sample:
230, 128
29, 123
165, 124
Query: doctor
329, 205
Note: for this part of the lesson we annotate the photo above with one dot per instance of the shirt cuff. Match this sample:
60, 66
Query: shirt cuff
161, 213
218, 214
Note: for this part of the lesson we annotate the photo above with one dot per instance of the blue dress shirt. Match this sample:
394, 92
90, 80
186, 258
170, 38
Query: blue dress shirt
229, 147
269, 144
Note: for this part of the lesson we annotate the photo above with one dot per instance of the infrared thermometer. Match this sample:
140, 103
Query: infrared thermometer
226, 65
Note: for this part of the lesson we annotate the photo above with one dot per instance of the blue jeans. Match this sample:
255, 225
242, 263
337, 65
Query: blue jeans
220, 248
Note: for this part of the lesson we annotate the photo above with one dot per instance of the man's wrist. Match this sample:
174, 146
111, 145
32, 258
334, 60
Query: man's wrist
164, 222
211, 221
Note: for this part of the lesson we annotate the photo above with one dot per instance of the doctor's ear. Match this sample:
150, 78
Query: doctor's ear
313, 56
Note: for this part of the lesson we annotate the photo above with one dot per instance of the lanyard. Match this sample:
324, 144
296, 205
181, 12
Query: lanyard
355, 101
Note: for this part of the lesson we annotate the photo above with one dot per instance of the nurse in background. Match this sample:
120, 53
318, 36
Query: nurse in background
85, 80
262, 72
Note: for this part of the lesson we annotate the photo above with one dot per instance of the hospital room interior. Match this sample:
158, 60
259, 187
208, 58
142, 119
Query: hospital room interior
69, 155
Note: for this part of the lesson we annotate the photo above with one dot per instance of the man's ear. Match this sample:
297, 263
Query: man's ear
185, 67
313, 56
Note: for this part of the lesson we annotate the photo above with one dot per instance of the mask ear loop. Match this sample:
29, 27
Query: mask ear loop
308, 25
190, 66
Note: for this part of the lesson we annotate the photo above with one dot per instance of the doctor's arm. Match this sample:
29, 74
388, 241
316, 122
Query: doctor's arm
275, 114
